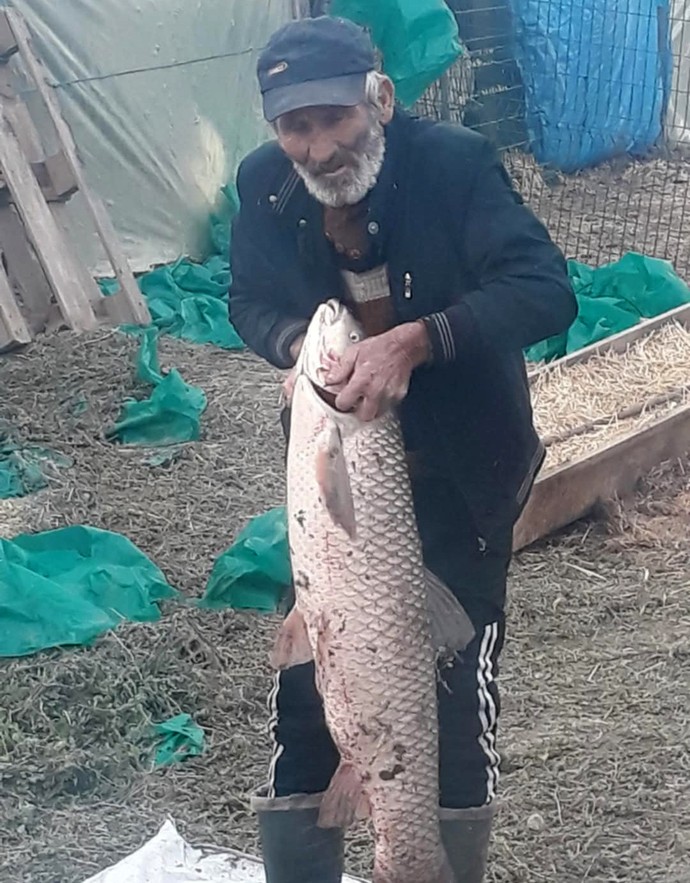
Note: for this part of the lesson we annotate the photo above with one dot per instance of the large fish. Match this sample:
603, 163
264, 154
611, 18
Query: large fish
368, 614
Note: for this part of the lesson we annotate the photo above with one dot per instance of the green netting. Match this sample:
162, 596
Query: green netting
254, 573
417, 38
22, 466
179, 739
189, 300
171, 414
67, 586
612, 299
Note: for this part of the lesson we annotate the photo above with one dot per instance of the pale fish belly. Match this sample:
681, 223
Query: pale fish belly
360, 589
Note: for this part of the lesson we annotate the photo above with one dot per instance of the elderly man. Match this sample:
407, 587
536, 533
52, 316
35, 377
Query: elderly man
416, 225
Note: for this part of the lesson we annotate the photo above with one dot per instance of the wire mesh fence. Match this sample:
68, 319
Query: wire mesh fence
598, 214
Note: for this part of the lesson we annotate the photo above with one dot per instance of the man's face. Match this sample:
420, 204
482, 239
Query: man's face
337, 151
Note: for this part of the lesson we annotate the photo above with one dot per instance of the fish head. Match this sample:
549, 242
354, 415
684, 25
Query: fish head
332, 330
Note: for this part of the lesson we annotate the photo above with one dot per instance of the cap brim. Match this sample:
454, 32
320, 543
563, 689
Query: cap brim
346, 91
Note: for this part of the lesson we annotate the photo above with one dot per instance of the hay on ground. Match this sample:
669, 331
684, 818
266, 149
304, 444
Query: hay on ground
596, 696
584, 406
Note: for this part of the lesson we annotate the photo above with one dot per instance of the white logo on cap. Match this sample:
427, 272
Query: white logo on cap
278, 69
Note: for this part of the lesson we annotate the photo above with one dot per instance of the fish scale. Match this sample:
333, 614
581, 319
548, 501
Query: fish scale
362, 607
380, 703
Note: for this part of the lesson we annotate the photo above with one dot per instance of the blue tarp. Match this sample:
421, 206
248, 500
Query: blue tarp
596, 76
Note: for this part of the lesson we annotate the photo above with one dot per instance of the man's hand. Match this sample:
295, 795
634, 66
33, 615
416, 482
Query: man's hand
289, 383
375, 374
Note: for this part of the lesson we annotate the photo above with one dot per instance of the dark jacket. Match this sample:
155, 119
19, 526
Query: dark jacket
463, 251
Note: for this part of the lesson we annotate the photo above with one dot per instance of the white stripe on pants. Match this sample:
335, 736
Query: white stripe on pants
488, 713
272, 730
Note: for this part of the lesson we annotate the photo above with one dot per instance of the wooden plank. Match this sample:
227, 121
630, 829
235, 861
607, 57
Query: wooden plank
47, 240
55, 177
13, 329
129, 290
20, 119
54, 172
8, 43
24, 269
617, 343
572, 490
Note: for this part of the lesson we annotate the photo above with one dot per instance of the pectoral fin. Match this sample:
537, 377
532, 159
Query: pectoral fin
292, 645
334, 481
451, 627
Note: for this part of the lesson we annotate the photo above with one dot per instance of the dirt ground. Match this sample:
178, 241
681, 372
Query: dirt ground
596, 686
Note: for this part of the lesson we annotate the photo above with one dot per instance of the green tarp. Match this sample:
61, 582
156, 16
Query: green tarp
67, 586
178, 739
171, 414
613, 298
418, 39
254, 573
22, 466
189, 300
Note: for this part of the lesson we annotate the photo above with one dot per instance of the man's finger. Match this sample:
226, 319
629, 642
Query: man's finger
340, 371
368, 409
350, 395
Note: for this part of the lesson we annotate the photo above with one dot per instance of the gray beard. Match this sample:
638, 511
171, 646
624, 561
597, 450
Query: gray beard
355, 182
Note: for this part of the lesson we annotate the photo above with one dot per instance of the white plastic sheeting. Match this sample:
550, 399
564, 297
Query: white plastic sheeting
678, 116
167, 858
162, 99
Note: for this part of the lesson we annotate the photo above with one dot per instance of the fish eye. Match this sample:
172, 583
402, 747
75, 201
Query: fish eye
354, 337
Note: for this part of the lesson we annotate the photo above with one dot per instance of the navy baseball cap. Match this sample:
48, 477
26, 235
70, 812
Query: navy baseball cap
315, 61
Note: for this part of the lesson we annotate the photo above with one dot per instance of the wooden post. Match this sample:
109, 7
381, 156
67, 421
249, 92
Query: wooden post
571, 491
129, 289
43, 232
24, 269
13, 329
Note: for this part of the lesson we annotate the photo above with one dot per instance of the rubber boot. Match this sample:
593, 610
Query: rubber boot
295, 849
466, 834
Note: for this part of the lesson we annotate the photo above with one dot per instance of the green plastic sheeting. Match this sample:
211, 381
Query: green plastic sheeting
613, 298
22, 465
417, 38
67, 586
180, 738
189, 300
254, 573
171, 414
148, 365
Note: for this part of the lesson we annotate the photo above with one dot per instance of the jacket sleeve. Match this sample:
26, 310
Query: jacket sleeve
254, 303
523, 293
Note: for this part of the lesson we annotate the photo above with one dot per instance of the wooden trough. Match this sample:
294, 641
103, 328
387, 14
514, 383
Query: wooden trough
570, 491
42, 280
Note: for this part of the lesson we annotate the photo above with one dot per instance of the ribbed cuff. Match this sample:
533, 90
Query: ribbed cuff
287, 335
440, 338
450, 341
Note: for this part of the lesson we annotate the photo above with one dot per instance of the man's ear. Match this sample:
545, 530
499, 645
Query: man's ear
387, 100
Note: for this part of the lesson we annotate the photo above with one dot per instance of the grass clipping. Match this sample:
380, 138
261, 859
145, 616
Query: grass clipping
582, 407
595, 693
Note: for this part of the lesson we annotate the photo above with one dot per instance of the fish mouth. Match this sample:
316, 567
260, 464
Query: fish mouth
328, 397
333, 310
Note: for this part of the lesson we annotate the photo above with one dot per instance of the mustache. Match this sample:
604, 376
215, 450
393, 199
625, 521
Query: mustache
342, 158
